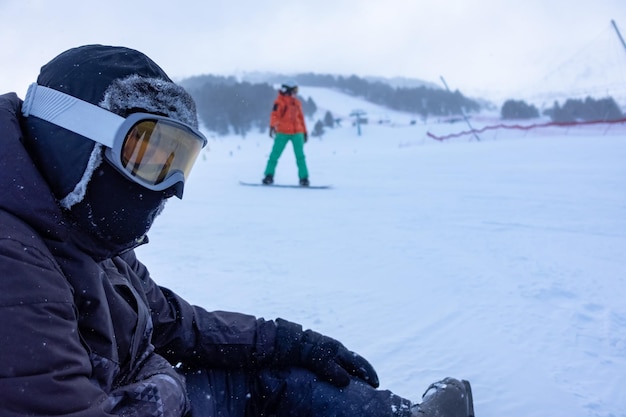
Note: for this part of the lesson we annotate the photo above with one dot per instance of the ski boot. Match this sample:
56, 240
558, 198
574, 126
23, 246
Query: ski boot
268, 180
304, 182
446, 398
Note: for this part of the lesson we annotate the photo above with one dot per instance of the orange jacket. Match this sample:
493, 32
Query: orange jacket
287, 116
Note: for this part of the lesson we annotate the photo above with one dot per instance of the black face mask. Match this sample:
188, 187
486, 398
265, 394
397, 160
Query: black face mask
115, 209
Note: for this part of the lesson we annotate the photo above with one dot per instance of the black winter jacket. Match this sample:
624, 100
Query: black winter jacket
85, 331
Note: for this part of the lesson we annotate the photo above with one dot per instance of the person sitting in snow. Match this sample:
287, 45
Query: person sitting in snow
287, 125
89, 158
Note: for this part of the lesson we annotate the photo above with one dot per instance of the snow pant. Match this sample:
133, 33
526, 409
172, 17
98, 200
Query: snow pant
280, 141
292, 392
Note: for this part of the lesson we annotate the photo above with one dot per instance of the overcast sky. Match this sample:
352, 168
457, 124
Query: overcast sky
476, 45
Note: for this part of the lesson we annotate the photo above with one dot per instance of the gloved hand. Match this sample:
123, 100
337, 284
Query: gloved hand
324, 356
306, 137
272, 132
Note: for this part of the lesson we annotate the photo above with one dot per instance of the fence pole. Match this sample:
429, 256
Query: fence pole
619, 35
462, 112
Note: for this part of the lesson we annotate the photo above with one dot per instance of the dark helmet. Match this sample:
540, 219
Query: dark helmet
121, 80
289, 86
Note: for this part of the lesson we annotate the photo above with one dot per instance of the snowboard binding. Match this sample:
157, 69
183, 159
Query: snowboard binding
446, 398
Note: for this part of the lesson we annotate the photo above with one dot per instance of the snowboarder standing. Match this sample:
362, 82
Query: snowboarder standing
287, 125
100, 143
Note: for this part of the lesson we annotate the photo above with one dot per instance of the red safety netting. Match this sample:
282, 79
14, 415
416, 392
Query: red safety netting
524, 127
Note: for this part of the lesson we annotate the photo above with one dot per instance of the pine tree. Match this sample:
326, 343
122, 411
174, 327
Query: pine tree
329, 120
318, 129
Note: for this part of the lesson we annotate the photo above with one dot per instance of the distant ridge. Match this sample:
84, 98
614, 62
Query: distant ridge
403, 82
276, 78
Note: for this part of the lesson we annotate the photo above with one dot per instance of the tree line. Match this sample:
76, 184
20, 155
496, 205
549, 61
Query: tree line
227, 105
589, 109
422, 100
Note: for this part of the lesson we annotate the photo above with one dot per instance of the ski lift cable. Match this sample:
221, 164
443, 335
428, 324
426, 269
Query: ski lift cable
604, 71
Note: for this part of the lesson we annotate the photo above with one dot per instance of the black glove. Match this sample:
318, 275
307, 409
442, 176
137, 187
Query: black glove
306, 137
272, 132
324, 356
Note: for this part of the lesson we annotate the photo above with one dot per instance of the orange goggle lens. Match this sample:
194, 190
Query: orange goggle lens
154, 149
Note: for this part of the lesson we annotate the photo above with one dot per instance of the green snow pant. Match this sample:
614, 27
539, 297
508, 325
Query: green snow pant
280, 141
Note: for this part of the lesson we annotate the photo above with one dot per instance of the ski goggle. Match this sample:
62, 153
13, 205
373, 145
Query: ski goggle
154, 151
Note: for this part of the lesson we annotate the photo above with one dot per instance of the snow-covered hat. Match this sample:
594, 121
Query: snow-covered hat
118, 79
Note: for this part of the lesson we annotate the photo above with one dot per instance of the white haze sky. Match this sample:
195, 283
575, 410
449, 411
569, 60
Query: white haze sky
477, 45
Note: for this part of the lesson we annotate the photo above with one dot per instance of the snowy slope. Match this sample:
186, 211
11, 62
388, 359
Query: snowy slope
500, 261
342, 105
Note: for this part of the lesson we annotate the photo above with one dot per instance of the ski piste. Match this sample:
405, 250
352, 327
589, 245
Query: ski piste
260, 184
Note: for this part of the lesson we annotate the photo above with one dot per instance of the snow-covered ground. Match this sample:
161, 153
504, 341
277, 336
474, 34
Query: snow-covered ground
501, 261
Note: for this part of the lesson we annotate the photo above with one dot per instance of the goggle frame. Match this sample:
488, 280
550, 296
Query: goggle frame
110, 130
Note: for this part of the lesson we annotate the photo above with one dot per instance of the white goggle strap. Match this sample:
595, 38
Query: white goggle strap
71, 113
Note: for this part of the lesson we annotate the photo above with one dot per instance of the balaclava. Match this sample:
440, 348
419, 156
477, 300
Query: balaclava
97, 198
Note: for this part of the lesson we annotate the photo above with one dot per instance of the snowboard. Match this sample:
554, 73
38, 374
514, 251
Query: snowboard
260, 184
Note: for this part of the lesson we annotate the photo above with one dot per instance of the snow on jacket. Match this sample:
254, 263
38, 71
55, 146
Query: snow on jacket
287, 116
85, 330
